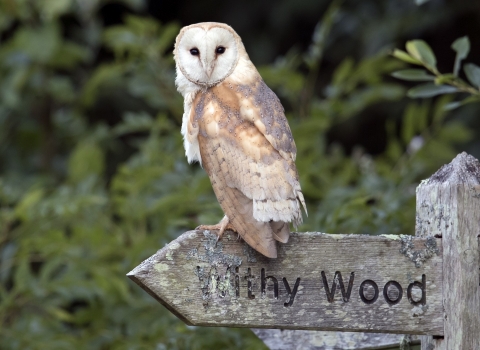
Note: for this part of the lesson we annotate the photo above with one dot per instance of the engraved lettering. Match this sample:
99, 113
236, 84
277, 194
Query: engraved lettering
368, 290
392, 301
422, 287
362, 291
250, 286
338, 277
237, 283
291, 294
264, 284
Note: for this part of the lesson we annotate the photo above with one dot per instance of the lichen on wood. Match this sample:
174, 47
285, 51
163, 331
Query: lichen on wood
418, 256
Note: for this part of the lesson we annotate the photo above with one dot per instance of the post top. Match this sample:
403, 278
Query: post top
463, 169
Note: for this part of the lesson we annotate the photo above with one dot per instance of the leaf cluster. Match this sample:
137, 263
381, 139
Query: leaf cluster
420, 53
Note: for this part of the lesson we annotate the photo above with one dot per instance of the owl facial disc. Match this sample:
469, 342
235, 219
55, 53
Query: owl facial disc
206, 56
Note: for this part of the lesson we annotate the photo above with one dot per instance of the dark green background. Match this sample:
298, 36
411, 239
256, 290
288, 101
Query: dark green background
93, 177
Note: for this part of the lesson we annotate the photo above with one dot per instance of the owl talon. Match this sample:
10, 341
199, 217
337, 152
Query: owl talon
223, 225
208, 227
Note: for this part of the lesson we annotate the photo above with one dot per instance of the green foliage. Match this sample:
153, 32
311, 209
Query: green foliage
462, 47
420, 53
472, 71
70, 232
413, 75
84, 201
419, 50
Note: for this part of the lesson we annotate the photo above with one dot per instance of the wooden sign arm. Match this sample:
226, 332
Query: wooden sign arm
318, 282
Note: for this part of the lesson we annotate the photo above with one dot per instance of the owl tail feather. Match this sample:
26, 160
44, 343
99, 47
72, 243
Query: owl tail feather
259, 235
281, 231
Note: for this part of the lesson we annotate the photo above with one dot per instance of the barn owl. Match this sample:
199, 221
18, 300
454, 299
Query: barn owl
235, 127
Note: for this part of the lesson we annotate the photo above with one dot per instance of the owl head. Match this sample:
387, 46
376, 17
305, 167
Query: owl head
207, 53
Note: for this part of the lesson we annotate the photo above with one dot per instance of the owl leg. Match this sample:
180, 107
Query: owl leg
223, 225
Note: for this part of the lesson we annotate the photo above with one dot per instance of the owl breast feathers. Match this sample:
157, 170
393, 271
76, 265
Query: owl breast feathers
235, 126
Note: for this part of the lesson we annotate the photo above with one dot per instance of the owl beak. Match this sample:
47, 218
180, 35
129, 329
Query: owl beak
208, 68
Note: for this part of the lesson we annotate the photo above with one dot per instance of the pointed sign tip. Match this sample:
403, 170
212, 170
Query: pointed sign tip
136, 271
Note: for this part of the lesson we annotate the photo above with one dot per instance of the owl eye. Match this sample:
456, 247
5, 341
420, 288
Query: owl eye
220, 50
194, 51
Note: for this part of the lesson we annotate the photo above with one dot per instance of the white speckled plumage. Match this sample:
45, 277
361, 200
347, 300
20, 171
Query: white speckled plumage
235, 126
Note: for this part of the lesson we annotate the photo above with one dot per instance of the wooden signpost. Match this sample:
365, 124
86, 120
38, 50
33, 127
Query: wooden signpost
423, 285
319, 281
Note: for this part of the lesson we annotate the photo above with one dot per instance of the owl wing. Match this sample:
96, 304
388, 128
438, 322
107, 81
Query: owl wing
248, 151
268, 116
269, 176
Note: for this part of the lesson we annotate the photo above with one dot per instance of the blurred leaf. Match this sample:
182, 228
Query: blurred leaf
439, 112
343, 71
7, 255
135, 4
444, 79
453, 105
462, 47
121, 39
168, 35
422, 52
104, 75
142, 25
39, 44
430, 90
402, 55
5, 20
421, 2
54, 8
30, 200
134, 122
472, 71
320, 34
408, 127
86, 159
413, 75
69, 54
283, 79
455, 132
415, 120
61, 88
60, 314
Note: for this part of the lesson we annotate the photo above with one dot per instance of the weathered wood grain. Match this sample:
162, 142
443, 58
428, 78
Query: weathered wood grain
210, 283
282, 339
448, 206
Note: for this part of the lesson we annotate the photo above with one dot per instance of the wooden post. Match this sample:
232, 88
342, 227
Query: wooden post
448, 206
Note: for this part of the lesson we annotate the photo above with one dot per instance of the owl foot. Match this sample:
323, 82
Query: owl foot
223, 225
